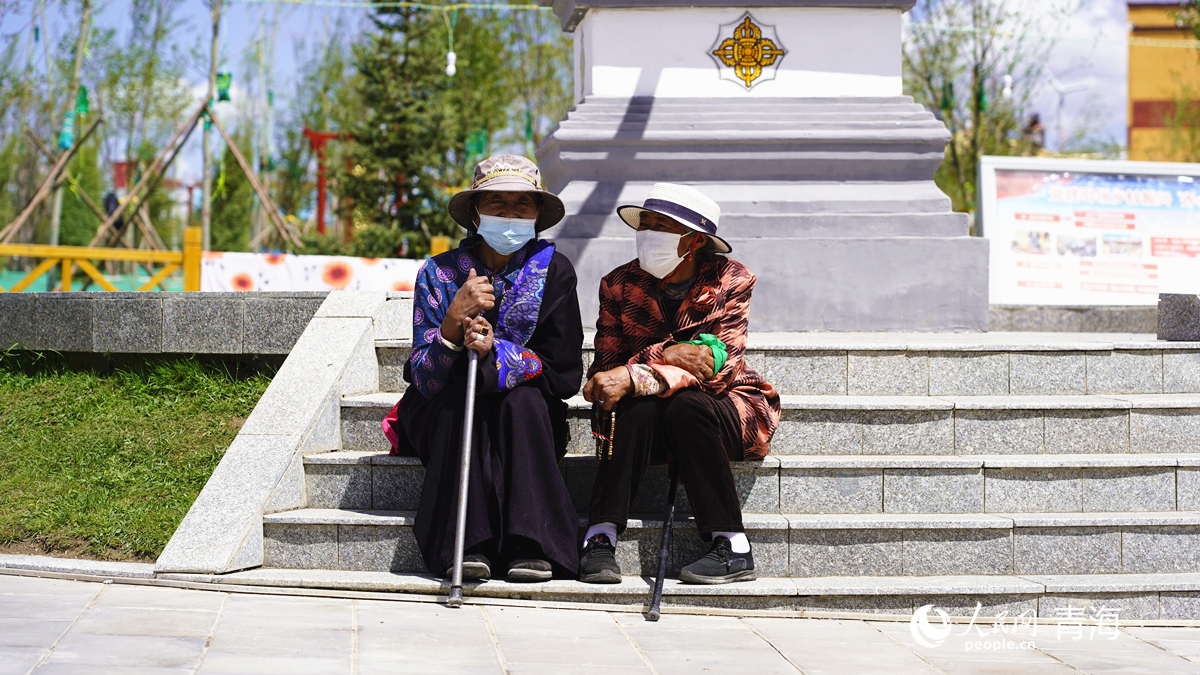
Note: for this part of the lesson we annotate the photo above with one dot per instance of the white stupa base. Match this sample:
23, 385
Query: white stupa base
665, 53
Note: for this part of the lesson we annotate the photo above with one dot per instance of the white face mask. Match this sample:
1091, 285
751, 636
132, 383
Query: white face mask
658, 252
506, 235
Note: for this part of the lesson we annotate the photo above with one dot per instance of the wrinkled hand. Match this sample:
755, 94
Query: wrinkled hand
478, 335
608, 387
475, 297
696, 359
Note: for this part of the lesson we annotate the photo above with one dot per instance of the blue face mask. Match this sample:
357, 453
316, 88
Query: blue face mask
506, 235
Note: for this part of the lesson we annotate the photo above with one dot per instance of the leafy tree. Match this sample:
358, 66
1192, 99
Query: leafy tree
139, 87
420, 131
142, 85
10, 159
1181, 140
13, 86
78, 224
33, 72
323, 244
408, 147
1187, 16
233, 199
323, 99
373, 241
377, 242
956, 56
1181, 127
541, 56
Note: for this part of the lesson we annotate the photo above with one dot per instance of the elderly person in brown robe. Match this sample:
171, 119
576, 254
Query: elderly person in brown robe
698, 405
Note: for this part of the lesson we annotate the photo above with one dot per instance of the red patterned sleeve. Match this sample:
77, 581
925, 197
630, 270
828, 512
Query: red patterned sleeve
732, 328
610, 347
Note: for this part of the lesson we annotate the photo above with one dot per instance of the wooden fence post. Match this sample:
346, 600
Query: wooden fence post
192, 243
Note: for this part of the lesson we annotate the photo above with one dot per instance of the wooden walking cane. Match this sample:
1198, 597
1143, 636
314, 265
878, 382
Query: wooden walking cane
464, 476
656, 599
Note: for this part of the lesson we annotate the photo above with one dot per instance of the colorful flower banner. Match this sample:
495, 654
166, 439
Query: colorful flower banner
284, 272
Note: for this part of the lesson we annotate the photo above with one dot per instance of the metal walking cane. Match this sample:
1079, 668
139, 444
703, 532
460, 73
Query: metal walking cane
464, 475
656, 599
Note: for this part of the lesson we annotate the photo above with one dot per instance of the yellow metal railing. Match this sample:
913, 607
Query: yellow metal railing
81, 257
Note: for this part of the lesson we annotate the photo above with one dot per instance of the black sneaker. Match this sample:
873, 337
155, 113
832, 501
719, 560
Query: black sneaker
529, 570
598, 561
720, 565
476, 567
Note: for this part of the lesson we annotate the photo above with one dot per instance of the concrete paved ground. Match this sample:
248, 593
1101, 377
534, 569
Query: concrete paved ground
59, 627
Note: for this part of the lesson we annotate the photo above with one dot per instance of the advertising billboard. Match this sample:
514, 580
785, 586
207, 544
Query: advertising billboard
1089, 232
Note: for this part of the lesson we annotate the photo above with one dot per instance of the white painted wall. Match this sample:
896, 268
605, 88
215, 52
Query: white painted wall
665, 53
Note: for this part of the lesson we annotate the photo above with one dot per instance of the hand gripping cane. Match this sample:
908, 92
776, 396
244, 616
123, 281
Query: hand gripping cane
656, 599
464, 476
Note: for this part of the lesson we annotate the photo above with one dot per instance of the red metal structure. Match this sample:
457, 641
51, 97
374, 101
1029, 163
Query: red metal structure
318, 139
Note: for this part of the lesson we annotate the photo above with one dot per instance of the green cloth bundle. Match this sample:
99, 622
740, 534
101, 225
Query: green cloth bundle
717, 347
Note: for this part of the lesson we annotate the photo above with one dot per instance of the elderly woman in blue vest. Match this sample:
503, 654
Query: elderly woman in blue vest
510, 297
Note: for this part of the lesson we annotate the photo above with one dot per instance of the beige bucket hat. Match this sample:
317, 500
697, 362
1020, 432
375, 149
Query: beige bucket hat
507, 173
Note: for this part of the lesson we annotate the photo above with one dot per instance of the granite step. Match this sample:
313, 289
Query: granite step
846, 108
1136, 597
371, 540
745, 226
802, 545
914, 425
836, 103
784, 141
766, 197
834, 484
723, 120
816, 122
648, 149
899, 117
898, 364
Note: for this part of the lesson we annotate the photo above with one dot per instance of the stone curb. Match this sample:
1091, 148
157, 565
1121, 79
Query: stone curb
634, 591
386, 400
106, 568
421, 588
262, 471
183, 323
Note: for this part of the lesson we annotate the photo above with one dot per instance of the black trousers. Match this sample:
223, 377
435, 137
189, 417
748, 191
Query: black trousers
699, 431
516, 491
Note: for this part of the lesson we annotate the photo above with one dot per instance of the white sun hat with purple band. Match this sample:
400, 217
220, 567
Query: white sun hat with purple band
683, 204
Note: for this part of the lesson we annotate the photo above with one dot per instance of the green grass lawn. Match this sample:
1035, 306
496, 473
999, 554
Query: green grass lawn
105, 461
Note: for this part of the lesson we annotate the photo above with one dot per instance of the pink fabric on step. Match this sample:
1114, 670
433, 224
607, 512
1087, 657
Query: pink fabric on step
389, 428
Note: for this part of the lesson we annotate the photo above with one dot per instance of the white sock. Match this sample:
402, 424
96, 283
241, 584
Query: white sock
607, 529
737, 541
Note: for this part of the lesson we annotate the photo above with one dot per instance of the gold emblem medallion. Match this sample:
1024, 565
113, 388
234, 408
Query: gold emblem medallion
747, 52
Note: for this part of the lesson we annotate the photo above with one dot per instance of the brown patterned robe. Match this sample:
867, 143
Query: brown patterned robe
631, 329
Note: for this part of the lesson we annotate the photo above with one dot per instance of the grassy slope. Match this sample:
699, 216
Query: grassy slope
109, 462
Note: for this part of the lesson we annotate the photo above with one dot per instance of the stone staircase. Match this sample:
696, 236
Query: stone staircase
1017, 470
832, 195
